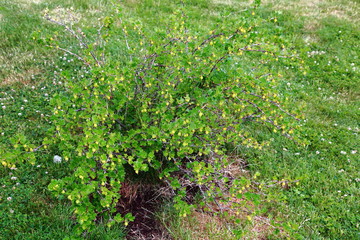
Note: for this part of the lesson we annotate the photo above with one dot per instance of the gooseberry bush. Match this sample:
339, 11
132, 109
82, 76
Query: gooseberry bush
175, 107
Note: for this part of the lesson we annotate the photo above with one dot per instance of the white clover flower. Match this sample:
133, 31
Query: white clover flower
353, 151
317, 152
4, 107
19, 114
9, 198
343, 152
25, 100
57, 159
13, 178
11, 211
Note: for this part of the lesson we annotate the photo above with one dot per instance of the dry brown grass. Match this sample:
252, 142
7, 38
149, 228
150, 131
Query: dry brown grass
318, 9
64, 15
27, 3
231, 2
313, 11
204, 226
210, 225
25, 70
24, 77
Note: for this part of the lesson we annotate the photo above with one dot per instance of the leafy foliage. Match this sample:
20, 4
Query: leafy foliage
176, 107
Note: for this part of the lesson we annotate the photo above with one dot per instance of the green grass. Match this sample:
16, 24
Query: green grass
325, 203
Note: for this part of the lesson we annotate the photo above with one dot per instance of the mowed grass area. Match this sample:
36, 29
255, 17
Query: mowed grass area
324, 205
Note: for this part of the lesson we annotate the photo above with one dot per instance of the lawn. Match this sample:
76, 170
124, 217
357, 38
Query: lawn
312, 190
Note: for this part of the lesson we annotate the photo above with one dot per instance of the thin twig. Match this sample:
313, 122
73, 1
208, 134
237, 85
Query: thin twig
82, 43
73, 54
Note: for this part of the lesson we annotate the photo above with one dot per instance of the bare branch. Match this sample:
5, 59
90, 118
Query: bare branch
82, 43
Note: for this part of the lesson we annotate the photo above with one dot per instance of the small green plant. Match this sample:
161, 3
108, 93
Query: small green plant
175, 108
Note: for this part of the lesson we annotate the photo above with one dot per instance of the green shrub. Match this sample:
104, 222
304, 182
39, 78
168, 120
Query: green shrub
175, 108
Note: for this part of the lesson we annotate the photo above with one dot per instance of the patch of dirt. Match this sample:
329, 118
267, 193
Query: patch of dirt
142, 201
